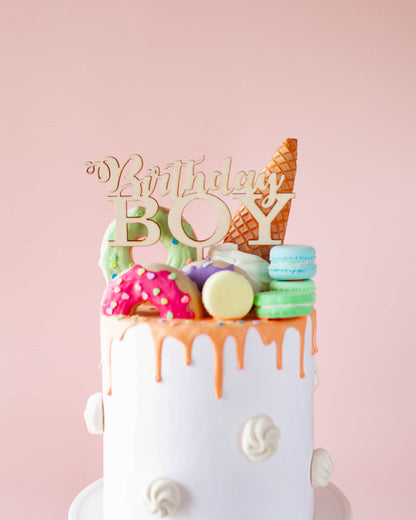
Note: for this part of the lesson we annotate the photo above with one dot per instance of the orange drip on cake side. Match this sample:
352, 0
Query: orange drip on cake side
269, 331
314, 346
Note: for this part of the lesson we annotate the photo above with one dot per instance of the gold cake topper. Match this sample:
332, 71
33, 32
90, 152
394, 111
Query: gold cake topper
263, 196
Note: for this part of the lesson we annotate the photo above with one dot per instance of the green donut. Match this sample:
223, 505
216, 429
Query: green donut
116, 259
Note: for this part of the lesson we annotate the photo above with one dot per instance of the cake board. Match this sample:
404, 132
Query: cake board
330, 504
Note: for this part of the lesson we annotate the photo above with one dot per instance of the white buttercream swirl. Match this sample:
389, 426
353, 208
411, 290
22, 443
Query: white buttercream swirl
162, 497
94, 414
259, 438
321, 468
254, 266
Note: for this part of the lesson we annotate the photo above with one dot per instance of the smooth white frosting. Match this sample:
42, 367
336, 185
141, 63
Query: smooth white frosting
177, 428
162, 497
253, 265
321, 468
94, 414
315, 377
259, 438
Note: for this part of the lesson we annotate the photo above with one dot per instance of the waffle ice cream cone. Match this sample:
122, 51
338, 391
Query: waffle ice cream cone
243, 225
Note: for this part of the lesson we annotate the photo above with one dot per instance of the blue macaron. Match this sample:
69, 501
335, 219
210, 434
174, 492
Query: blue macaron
292, 262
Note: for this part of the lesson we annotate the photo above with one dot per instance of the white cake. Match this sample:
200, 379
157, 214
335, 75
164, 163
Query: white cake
204, 442
208, 371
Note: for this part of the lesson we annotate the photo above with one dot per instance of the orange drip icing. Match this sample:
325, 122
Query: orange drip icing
219, 368
240, 348
158, 354
185, 332
278, 338
314, 346
302, 349
188, 353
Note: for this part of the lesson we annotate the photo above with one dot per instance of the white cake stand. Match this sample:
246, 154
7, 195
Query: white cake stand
330, 504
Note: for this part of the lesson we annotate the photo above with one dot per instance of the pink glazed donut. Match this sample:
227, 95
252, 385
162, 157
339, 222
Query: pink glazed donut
172, 293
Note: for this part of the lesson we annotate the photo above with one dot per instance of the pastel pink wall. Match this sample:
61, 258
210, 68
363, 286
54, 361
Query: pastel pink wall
81, 80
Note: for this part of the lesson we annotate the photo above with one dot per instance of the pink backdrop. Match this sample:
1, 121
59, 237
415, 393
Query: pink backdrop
81, 80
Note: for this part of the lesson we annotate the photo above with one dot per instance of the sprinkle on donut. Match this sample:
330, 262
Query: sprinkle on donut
158, 287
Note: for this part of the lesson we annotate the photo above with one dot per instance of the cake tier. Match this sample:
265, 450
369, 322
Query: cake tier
216, 420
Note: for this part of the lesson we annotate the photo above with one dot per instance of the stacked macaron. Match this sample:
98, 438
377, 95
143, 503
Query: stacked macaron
292, 292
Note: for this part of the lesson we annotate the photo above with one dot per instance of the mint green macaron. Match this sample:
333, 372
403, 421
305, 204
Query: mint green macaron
293, 286
287, 299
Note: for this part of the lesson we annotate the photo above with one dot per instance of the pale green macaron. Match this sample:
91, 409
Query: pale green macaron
294, 287
287, 299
